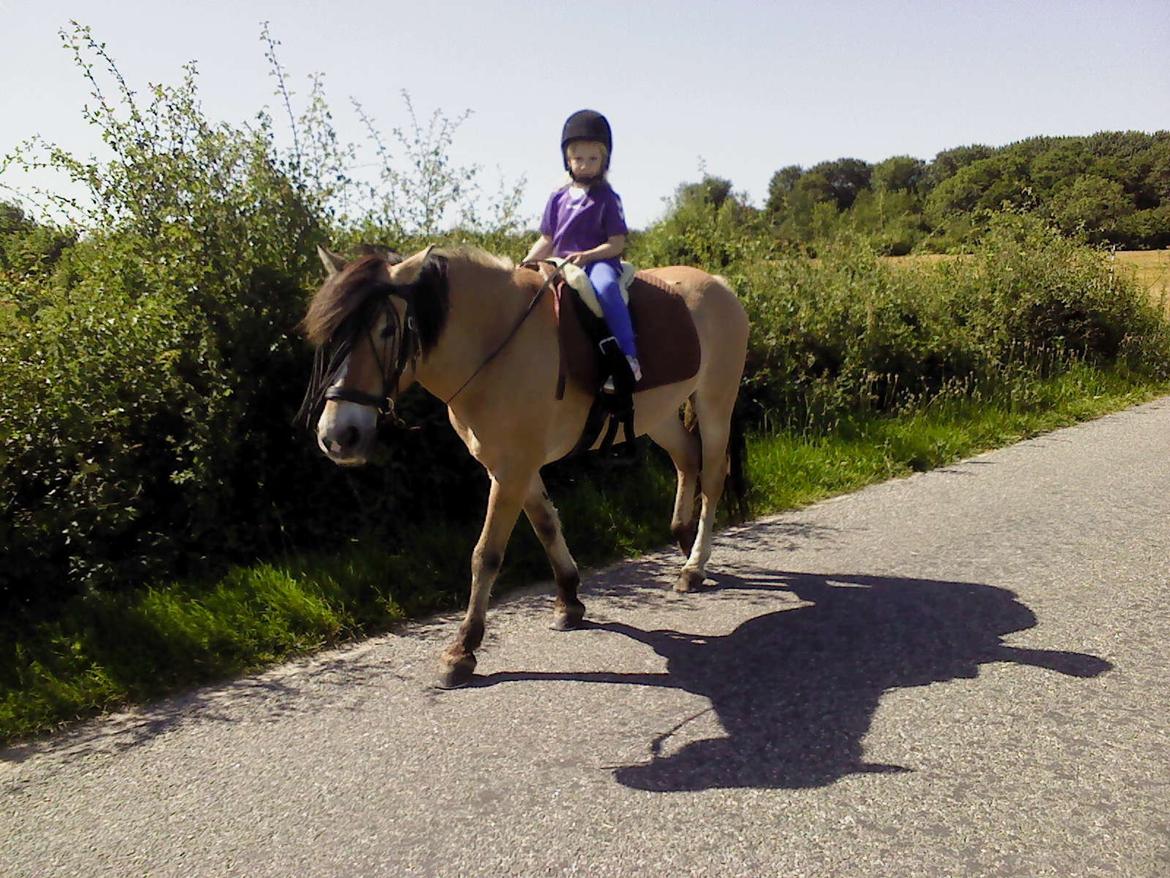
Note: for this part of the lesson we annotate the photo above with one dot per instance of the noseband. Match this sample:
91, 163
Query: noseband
401, 338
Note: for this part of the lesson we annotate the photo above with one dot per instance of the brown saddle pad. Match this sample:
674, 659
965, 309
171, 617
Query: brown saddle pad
668, 344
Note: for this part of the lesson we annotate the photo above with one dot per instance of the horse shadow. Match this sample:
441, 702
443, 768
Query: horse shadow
796, 690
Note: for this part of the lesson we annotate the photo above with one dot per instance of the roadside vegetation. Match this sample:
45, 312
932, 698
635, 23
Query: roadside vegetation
164, 523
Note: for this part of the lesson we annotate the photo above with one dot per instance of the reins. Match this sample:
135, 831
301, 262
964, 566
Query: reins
531, 307
408, 345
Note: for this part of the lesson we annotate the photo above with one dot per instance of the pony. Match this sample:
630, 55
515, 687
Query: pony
481, 335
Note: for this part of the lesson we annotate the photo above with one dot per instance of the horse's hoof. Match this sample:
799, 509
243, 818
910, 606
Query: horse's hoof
568, 618
689, 580
456, 674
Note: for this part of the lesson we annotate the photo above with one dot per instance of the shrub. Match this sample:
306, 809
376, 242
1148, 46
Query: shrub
705, 226
141, 376
150, 369
849, 332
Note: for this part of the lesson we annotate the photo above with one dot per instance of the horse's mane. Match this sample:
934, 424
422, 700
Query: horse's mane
346, 295
340, 307
346, 305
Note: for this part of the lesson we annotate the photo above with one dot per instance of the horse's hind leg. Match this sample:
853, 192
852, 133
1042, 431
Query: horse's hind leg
504, 502
683, 447
569, 610
715, 431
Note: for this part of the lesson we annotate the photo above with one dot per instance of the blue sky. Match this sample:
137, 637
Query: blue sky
743, 87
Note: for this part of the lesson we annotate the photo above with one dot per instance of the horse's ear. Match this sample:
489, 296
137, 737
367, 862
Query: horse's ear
407, 271
389, 255
332, 262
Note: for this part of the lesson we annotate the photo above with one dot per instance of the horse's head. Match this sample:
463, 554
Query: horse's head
370, 320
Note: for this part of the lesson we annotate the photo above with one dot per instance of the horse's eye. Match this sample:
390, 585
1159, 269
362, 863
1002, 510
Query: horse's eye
387, 331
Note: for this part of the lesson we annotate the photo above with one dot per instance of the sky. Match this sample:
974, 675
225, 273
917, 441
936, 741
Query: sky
739, 88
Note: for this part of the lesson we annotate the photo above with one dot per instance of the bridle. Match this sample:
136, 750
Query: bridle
401, 336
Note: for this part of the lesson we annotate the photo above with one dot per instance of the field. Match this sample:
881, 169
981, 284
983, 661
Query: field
1150, 268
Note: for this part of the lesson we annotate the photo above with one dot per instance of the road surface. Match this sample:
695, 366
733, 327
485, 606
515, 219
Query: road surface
966, 672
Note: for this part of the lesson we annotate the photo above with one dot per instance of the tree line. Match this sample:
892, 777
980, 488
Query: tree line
1110, 188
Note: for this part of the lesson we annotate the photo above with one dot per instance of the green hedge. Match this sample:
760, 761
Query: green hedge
850, 332
150, 367
147, 383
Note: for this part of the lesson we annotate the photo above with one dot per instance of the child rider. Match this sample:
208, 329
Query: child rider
584, 223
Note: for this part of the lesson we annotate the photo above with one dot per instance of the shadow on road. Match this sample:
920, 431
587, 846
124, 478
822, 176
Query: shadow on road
796, 689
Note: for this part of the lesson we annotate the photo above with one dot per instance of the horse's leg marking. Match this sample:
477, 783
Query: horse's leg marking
715, 430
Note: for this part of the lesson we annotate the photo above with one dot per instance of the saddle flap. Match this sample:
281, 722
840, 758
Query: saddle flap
668, 344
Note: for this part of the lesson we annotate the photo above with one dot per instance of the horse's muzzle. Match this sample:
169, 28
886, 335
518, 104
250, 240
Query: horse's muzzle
346, 433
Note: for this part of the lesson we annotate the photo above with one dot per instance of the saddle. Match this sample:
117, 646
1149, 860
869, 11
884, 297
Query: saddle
668, 346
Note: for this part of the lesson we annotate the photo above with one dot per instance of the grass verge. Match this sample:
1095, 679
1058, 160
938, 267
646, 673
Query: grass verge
107, 650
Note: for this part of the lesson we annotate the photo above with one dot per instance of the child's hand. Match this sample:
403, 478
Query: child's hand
577, 258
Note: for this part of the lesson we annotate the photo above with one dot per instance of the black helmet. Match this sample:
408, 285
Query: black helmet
587, 125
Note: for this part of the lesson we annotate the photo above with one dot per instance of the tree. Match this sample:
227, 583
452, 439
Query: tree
986, 185
781, 187
846, 178
1092, 204
1121, 192
950, 161
814, 188
26, 244
1157, 177
710, 190
12, 218
900, 173
1054, 168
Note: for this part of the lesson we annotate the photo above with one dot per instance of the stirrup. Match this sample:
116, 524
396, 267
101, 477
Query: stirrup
635, 370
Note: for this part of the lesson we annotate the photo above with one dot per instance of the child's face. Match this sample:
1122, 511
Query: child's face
585, 158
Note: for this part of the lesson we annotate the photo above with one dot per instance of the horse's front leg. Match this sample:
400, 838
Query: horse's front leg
505, 500
569, 610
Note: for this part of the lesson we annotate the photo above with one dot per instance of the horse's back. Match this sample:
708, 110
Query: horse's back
719, 316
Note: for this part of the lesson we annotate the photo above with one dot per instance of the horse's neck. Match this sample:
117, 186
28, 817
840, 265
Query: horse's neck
484, 307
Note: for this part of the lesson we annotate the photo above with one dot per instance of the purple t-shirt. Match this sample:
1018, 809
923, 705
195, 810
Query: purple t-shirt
581, 219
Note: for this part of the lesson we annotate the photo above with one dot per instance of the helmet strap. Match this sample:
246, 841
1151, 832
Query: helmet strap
586, 181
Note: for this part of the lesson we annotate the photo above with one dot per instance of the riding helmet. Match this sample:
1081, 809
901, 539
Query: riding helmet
587, 125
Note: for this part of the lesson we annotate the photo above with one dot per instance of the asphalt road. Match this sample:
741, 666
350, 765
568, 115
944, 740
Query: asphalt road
961, 673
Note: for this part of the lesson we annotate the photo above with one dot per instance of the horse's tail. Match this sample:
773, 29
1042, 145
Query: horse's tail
736, 487
737, 484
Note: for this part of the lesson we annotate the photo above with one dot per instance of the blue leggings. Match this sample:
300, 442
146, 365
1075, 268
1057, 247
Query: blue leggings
617, 315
